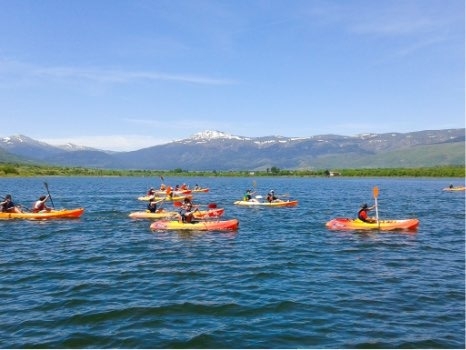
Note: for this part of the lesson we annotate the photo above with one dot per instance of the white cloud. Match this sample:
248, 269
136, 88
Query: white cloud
20, 70
110, 143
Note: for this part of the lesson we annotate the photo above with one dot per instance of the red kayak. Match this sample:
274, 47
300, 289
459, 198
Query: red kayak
383, 225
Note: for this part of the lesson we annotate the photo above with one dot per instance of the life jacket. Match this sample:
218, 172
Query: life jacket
362, 215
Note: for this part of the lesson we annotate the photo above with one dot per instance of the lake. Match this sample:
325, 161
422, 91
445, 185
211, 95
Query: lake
282, 280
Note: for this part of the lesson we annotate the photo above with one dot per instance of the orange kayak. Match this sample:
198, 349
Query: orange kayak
383, 225
48, 215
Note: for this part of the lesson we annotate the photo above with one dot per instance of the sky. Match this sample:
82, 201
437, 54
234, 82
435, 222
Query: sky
128, 74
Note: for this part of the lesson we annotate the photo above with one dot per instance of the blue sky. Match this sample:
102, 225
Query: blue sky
124, 75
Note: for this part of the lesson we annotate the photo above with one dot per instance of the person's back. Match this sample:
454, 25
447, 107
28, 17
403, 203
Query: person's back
152, 206
40, 205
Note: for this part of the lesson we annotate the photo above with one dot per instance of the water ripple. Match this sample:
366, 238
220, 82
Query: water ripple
281, 281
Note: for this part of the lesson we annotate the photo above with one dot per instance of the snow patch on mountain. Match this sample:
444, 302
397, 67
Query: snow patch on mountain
214, 134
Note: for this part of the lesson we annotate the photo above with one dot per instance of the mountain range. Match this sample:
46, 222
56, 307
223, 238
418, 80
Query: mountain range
215, 150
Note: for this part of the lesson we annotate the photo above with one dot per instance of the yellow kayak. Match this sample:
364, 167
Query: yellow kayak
221, 225
255, 203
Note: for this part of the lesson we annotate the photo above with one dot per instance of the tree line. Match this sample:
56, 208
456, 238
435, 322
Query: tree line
28, 170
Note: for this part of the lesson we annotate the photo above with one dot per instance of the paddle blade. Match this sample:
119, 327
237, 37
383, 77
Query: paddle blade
177, 204
212, 205
375, 191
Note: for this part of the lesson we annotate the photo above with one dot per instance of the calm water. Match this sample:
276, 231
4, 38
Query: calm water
281, 281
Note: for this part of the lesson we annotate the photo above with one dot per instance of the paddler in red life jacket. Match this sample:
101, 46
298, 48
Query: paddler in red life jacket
169, 192
362, 213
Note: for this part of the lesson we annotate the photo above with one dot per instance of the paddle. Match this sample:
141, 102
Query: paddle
254, 184
161, 203
50, 196
375, 192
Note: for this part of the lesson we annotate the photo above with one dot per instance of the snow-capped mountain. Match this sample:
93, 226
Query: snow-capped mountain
216, 150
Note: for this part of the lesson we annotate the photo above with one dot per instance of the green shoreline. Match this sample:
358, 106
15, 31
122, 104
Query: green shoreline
27, 170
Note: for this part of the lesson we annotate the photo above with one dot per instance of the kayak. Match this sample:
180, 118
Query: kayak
48, 215
267, 204
384, 225
161, 193
166, 198
451, 189
163, 214
199, 190
222, 225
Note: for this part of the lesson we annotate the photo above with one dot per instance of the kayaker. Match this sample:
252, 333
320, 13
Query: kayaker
40, 205
186, 211
169, 192
248, 196
363, 213
152, 206
8, 206
151, 191
271, 196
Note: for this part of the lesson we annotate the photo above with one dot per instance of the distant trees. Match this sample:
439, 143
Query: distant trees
12, 169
